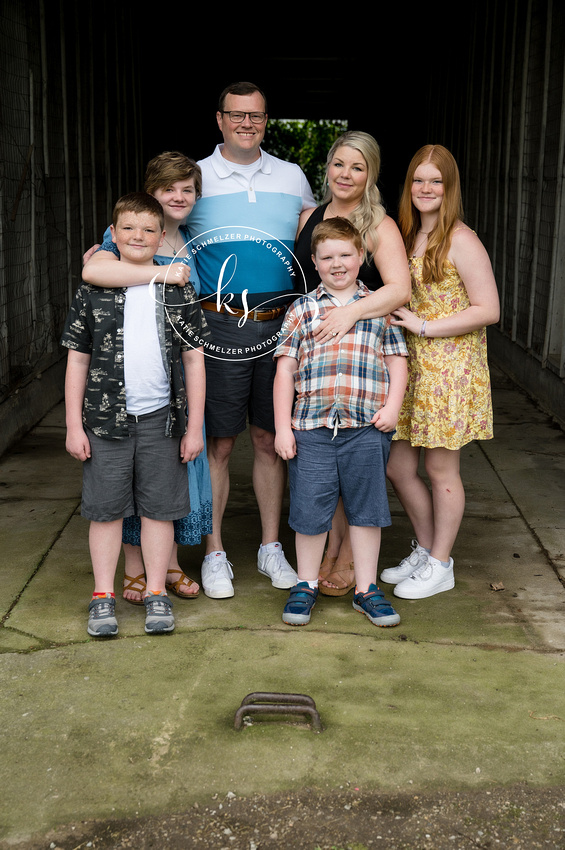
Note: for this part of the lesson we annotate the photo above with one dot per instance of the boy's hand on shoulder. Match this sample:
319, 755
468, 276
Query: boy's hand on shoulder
175, 274
285, 444
385, 419
77, 444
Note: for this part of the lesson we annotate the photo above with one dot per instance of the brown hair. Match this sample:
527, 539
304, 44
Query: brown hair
241, 89
169, 167
139, 202
450, 212
336, 228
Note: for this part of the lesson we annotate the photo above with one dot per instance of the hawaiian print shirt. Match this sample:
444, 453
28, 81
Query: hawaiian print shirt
95, 326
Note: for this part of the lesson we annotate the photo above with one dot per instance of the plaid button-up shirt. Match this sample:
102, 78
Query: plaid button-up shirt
340, 384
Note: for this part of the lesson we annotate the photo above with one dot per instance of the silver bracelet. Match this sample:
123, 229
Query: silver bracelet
423, 328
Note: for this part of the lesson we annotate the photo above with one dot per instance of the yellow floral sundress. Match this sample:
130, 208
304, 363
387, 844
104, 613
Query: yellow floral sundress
448, 398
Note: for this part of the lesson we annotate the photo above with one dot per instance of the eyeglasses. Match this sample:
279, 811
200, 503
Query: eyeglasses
237, 117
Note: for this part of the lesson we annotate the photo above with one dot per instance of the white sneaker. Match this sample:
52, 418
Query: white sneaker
417, 558
272, 563
429, 579
216, 575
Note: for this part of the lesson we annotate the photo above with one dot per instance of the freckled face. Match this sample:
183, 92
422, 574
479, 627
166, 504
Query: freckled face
338, 263
137, 236
427, 188
177, 200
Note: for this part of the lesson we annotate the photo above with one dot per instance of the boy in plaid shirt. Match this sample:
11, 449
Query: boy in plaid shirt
336, 408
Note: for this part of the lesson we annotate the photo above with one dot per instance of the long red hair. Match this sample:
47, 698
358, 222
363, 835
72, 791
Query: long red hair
450, 212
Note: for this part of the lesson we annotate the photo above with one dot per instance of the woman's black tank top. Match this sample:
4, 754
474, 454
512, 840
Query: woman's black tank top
368, 272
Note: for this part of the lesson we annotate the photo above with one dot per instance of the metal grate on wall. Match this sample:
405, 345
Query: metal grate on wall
507, 127
70, 142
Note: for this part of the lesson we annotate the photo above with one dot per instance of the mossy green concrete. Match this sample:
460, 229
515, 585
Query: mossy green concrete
478, 616
466, 693
146, 725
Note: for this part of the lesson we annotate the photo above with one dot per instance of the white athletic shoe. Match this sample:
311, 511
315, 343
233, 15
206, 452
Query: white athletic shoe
429, 579
216, 576
417, 558
272, 563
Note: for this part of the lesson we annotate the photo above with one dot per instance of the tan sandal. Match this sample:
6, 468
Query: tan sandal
130, 584
326, 568
340, 575
182, 581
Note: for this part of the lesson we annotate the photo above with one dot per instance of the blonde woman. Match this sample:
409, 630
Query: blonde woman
448, 399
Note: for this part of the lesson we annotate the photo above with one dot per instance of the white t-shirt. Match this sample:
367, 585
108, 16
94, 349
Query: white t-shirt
147, 385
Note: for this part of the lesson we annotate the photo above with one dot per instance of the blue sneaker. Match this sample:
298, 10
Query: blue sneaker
299, 604
374, 605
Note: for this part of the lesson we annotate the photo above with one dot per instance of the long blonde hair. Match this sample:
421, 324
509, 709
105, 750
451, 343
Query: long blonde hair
370, 212
450, 212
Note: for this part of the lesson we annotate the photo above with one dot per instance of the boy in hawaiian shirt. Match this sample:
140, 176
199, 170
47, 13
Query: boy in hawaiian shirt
135, 358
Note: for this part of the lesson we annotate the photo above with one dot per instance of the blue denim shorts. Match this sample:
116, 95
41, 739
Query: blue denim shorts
351, 465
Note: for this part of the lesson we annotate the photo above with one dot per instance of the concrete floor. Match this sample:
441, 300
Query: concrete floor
466, 693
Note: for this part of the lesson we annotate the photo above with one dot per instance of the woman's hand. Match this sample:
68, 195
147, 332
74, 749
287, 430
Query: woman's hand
335, 324
175, 274
404, 318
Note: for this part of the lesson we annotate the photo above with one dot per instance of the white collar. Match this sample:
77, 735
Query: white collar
225, 167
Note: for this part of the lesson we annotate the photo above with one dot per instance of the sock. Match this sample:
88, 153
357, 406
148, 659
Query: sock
269, 547
103, 595
313, 584
445, 564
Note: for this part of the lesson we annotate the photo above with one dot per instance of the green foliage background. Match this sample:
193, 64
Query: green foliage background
306, 143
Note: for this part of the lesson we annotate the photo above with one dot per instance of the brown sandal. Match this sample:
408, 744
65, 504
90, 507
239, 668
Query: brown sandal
129, 584
326, 567
342, 575
183, 581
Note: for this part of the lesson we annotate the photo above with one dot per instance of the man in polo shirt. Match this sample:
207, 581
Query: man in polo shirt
243, 230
